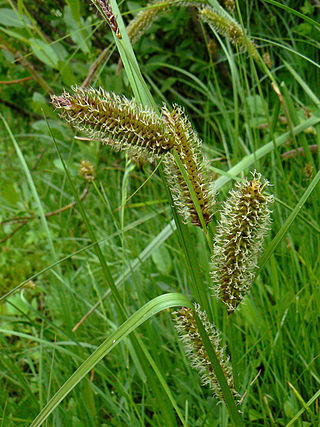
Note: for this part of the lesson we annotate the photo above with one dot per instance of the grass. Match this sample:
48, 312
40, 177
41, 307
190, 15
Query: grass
124, 251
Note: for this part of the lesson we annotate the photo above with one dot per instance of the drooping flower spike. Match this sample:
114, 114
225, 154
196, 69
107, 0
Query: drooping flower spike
188, 148
187, 328
228, 27
146, 17
105, 9
114, 120
125, 125
245, 217
216, 16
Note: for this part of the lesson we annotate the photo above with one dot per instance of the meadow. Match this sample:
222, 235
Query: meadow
99, 247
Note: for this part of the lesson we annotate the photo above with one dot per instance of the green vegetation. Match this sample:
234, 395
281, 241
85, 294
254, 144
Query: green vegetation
95, 257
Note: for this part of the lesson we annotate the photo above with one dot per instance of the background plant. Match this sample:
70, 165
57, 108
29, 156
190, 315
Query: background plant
236, 113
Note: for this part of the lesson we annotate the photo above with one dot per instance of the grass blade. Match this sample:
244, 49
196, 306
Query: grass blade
250, 160
32, 186
151, 308
298, 415
281, 233
294, 12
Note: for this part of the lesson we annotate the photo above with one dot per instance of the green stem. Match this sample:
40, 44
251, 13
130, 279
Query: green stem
196, 284
233, 351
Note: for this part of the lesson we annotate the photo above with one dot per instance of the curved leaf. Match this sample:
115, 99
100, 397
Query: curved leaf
144, 313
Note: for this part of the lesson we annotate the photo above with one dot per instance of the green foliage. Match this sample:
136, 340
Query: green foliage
244, 124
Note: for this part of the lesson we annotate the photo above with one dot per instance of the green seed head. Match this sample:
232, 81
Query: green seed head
188, 148
115, 121
229, 28
245, 217
229, 5
124, 125
187, 328
143, 21
87, 170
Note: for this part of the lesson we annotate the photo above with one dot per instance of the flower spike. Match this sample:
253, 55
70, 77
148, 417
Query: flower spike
244, 222
187, 328
229, 28
146, 17
105, 9
115, 121
125, 125
188, 148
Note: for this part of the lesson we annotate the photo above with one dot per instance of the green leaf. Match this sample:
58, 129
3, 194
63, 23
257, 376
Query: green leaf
66, 73
138, 85
60, 50
76, 30
58, 164
288, 408
168, 83
11, 18
39, 104
16, 34
44, 52
307, 8
74, 6
58, 128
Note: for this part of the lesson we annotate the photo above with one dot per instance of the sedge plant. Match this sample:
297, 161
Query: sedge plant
166, 135
169, 137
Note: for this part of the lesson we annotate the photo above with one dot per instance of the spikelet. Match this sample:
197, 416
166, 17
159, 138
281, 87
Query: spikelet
245, 217
229, 5
87, 170
124, 125
105, 9
229, 28
187, 328
188, 147
145, 18
115, 121
267, 59
153, 11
